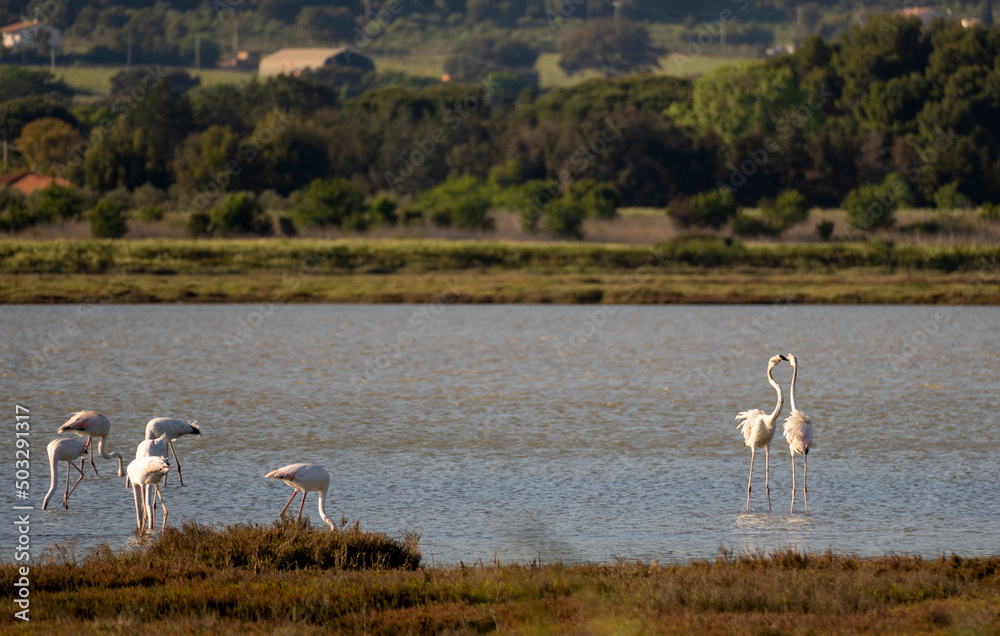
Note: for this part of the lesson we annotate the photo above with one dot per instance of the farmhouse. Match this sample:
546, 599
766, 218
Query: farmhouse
292, 61
28, 182
30, 35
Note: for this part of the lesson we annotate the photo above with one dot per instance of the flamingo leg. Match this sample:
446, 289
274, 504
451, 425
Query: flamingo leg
68, 491
301, 505
150, 506
176, 461
138, 517
90, 451
83, 459
792, 508
160, 496
767, 472
282, 513
753, 452
805, 469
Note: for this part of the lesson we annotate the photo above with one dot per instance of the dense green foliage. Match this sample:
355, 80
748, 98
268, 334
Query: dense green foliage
830, 121
108, 219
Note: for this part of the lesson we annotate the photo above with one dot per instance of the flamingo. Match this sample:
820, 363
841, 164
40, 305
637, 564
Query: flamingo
173, 428
63, 449
305, 478
798, 430
758, 430
145, 474
92, 424
158, 447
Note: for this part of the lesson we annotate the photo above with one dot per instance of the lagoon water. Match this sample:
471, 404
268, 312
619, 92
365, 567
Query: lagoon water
572, 433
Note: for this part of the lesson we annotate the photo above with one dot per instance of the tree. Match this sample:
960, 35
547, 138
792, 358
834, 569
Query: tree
18, 113
45, 142
872, 206
564, 218
480, 56
610, 46
325, 203
60, 202
206, 155
461, 203
19, 82
240, 213
108, 219
706, 209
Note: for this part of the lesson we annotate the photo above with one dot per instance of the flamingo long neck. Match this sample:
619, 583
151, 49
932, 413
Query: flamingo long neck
791, 391
53, 464
781, 400
322, 509
113, 455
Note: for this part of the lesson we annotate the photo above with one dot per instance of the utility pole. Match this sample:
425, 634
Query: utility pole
236, 36
617, 4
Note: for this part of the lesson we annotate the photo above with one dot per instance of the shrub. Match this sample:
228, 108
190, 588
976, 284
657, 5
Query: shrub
382, 211
108, 219
713, 208
825, 230
948, 197
531, 199
16, 215
60, 202
150, 213
745, 224
199, 224
703, 249
871, 206
325, 203
240, 213
598, 200
990, 212
789, 209
564, 218
460, 203
287, 226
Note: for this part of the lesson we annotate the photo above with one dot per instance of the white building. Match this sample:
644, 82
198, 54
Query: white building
28, 35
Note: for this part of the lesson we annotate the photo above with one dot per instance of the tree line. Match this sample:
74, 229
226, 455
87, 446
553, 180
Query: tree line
890, 114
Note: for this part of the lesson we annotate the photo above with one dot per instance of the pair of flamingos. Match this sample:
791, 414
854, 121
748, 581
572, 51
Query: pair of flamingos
151, 464
758, 428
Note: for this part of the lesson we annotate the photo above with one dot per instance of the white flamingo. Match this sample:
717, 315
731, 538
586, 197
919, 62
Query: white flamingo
305, 478
92, 424
158, 447
145, 474
798, 430
66, 450
758, 430
173, 428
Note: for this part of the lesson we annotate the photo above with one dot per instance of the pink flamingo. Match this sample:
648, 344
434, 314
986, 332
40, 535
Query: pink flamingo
92, 424
63, 450
305, 478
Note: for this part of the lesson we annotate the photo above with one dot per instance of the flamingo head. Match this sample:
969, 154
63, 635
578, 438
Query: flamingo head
791, 360
774, 361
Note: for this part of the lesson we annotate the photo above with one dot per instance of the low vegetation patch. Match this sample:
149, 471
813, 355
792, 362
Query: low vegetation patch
170, 586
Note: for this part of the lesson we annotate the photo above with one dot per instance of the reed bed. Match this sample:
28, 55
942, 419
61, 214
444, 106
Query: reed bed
314, 256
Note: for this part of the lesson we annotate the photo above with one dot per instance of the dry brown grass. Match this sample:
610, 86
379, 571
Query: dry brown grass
782, 592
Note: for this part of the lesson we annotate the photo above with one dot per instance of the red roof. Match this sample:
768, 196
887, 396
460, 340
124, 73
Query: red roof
17, 26
28, 182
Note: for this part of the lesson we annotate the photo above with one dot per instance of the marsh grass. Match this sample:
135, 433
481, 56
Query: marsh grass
168, 586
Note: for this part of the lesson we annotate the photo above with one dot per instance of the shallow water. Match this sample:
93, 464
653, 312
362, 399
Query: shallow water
577, 433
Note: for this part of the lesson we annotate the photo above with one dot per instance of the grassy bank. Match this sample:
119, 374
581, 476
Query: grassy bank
294, 579
689, 270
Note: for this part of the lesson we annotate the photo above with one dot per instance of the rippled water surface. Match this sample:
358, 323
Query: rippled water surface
560, 433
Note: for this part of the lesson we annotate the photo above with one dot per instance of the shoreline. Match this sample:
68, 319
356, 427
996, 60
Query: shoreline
511, 287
